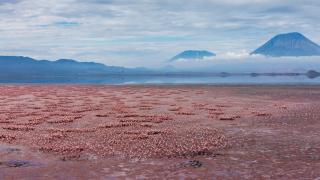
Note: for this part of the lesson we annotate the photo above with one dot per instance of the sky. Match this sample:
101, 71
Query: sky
148, 33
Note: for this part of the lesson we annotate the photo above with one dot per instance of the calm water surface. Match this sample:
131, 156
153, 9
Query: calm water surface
118, 80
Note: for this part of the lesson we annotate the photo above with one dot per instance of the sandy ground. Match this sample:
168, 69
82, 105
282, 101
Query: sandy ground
159, 132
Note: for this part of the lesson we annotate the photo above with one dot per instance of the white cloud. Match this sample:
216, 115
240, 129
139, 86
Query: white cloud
245, 63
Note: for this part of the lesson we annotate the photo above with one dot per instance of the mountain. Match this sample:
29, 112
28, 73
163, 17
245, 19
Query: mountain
193, 54
25, 66
291, 44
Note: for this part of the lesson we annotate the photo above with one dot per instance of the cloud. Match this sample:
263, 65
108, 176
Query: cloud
147, 32
9, 1
246, 63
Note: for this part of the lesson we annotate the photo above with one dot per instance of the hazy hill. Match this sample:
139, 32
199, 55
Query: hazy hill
193, 54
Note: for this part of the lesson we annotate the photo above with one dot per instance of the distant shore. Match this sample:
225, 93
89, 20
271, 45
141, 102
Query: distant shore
309, 78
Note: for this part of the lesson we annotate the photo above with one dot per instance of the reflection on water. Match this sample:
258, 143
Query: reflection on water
174, 79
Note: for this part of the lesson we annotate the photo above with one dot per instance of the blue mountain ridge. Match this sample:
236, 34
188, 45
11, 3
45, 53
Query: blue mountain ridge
25, 66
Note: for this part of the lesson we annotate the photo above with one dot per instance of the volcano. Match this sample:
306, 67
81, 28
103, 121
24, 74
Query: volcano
290, 44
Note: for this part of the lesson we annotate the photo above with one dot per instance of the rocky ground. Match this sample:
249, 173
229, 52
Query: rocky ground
99, 132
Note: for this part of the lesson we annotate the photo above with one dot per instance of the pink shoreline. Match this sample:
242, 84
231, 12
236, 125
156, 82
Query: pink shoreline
85, 123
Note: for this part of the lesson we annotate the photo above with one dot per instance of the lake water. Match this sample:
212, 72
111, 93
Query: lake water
174, 79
